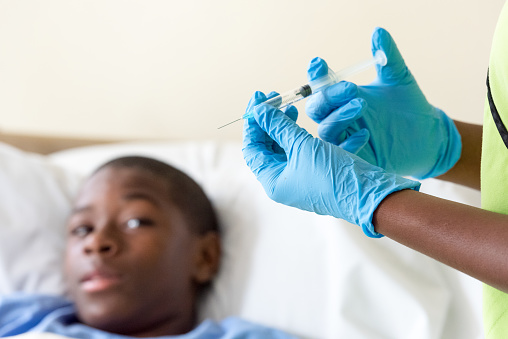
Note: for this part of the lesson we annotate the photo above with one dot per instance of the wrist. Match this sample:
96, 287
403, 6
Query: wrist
392, 184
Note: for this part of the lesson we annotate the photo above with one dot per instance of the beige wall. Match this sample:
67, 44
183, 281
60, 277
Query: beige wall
179, 69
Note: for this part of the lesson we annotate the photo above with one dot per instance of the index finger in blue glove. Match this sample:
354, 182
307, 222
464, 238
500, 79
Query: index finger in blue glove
253, 136
259, 97
256, 98
281, 128
258, 155
261, 153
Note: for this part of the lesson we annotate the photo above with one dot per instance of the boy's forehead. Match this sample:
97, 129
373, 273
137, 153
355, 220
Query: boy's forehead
127, 174
126, 178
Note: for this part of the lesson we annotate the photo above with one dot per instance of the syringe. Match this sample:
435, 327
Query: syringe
290, 97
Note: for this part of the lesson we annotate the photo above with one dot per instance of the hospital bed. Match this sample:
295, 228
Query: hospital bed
313, 276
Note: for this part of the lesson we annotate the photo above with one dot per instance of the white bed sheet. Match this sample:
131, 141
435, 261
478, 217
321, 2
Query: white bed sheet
314, 276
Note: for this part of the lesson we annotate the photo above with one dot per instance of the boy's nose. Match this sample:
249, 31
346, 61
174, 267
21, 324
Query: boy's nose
102, 242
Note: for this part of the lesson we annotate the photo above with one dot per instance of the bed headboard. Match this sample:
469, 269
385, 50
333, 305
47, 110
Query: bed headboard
47, 144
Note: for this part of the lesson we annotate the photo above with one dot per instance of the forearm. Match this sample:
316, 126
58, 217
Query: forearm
469, 239
467, 170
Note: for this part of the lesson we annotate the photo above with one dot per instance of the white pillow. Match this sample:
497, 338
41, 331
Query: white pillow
315, 276
35, 198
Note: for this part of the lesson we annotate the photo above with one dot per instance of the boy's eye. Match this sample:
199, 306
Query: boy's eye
138, 222
81, 230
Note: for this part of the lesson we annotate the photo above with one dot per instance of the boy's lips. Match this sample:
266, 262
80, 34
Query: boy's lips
99, 280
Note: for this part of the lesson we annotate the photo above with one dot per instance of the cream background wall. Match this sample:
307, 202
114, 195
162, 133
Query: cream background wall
179, 69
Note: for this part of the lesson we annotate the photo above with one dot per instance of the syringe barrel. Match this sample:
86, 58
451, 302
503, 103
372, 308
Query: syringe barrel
314, 86
287, 98
290, 97
322, 82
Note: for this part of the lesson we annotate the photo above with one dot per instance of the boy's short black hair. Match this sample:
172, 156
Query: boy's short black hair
184, 192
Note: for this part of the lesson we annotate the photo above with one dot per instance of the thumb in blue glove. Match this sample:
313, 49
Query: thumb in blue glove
312, 174
389, 123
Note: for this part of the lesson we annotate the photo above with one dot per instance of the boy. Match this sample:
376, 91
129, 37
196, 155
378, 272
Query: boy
143, 242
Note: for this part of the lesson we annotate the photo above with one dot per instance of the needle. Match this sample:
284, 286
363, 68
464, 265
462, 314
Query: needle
229, 123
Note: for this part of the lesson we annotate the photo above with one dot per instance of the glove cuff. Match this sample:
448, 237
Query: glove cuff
450, 150
393, 183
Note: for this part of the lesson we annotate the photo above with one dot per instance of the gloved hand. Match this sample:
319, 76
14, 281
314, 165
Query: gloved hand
389, 123
299, 170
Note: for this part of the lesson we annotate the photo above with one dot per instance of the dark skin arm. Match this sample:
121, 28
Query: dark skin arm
469, 239
467, 170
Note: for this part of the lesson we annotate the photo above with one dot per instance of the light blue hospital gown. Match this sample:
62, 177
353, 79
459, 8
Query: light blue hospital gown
22, 313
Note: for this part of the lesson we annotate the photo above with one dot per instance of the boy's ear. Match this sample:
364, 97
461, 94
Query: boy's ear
207, 257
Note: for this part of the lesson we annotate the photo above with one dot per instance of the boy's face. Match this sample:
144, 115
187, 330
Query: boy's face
132, 263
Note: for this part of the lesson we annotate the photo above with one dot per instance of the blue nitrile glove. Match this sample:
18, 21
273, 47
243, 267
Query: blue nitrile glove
299, 170
389, 123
